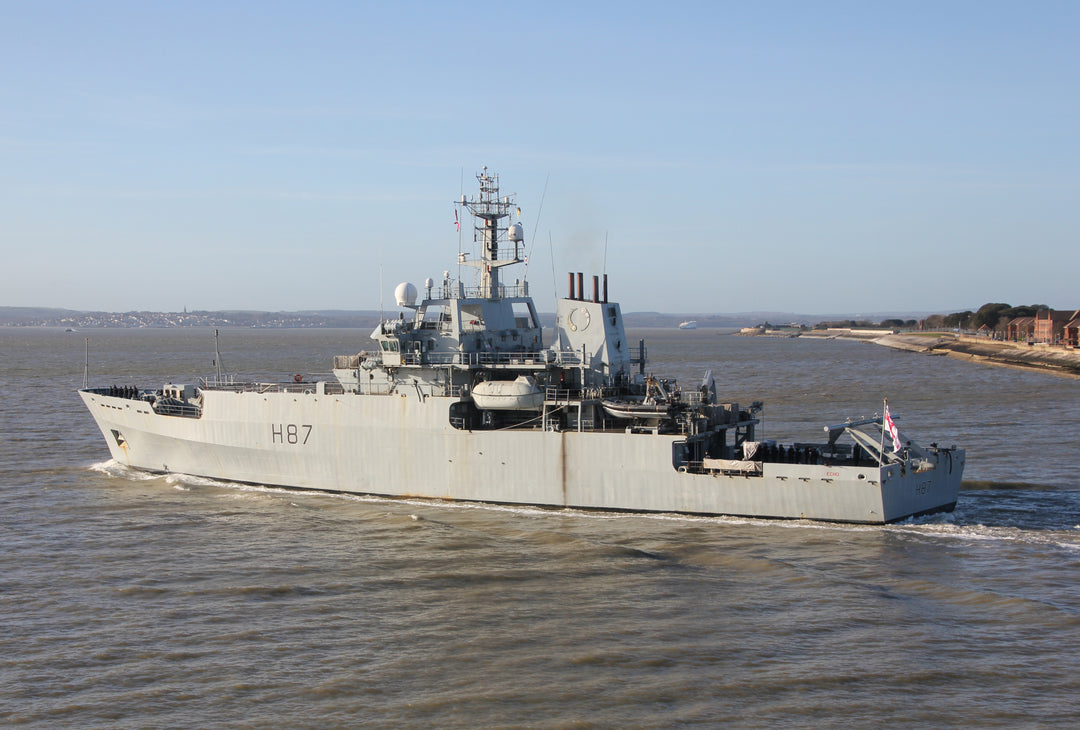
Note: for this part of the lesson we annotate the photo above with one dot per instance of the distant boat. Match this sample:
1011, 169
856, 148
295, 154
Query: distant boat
69, 329
688, 325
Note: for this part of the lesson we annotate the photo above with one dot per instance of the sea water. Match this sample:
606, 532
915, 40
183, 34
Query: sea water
134, 601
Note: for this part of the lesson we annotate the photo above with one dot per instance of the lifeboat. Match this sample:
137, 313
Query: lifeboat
636, 409
659, 403
522, 394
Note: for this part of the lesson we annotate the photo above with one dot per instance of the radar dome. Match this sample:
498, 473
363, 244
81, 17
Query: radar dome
516, 233
405, 294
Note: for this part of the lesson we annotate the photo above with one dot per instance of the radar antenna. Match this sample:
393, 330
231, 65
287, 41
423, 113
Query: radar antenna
500, 244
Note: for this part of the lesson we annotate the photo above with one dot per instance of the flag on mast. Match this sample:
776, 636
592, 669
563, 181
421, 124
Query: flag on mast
457, 225
893, 430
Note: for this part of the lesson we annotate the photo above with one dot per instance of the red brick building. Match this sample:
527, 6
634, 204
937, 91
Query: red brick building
1070, 333
1050, 325
1020, 329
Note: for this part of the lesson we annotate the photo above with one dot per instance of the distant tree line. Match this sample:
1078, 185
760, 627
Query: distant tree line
867, 324
992, 314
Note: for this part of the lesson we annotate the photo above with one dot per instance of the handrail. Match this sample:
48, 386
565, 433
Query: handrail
329, 388
563, 357
170, 408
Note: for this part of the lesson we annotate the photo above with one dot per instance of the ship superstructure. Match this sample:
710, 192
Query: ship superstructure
461, 398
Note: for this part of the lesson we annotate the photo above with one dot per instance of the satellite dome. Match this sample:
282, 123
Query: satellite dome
405, 294
516, 233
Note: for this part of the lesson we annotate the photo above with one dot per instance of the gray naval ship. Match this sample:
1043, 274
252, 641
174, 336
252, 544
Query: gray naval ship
464, 400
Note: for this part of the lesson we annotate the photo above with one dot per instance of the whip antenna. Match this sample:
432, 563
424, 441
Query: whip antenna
605, 254
554, 281
217, 357
532, 242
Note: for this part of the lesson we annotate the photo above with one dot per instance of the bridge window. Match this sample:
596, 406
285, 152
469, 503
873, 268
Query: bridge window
523, 316
472, 317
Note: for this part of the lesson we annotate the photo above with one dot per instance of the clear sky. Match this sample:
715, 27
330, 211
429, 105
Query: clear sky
815, 157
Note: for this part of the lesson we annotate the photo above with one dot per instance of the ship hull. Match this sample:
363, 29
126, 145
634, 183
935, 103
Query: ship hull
403, 445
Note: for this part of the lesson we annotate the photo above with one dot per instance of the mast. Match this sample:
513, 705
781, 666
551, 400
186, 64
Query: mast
217, 357
500, 243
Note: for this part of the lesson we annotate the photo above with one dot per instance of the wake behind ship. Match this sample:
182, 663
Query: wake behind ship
463, 400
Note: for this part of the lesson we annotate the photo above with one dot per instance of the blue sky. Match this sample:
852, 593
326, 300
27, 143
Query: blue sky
808, 157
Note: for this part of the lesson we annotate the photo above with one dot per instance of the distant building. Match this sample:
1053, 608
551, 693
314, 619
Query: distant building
1070, 333
1050, 325
1020, 329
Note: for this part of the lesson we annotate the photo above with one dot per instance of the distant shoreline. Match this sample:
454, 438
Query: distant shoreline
1053, 360
1020, 356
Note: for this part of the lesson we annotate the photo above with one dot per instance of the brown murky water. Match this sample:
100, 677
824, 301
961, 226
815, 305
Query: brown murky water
133, 601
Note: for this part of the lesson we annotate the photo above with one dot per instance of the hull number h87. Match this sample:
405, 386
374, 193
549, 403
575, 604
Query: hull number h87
290, 433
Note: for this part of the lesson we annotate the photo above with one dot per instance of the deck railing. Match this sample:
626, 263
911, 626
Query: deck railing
467, 359
330, 388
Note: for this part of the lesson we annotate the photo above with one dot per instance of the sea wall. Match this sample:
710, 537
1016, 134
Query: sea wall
1057, 360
